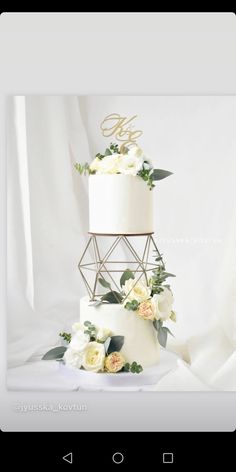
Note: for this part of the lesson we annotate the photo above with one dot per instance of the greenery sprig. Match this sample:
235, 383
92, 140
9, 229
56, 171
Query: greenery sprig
83, 169
66, 337
135, 368
146, 175
162, 332
133, 305
90, 330
158, 278
112, 149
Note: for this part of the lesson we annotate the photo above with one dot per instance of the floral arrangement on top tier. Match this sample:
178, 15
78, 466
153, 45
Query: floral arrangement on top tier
124, 160
93, 349
152, 299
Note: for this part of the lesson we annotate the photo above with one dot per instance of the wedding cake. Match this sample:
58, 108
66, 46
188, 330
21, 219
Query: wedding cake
122, 322
121, 203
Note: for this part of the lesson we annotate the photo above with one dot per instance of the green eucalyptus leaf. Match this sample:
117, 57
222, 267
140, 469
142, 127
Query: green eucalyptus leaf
127, 274
159, 174
104, 283
115, 344
168, 274
87, 323
168, 331
162, 336
112, 297
133, 368
159, 258
157, 324
108, 152
55, 353
133, 305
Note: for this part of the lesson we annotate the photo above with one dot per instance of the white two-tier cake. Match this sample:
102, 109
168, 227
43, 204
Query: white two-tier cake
122, 205
122, 320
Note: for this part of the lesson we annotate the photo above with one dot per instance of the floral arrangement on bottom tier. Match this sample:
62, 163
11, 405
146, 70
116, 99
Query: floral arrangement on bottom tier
151, 299
93, 349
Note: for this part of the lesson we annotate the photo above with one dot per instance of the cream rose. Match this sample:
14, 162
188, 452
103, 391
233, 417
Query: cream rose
162, 304
79, 341
94, 356
146, 311
136, 290
73, 358
103, 334
114, 362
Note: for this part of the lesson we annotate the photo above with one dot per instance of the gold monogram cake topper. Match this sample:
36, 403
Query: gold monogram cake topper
122, 128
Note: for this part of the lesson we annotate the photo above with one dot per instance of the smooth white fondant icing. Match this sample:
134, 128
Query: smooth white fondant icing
140, 343
120, 204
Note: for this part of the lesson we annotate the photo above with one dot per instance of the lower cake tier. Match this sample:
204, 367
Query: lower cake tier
140, 343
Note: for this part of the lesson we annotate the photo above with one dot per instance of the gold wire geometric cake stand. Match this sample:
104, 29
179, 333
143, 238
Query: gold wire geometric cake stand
103, 259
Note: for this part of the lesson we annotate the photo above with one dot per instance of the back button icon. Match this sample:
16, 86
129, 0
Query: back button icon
68, 458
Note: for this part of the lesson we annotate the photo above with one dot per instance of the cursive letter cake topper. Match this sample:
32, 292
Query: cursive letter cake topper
122, 128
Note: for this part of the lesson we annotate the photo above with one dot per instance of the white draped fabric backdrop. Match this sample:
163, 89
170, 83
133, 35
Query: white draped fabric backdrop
195, 224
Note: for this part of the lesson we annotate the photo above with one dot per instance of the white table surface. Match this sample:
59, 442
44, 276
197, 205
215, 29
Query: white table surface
50, 376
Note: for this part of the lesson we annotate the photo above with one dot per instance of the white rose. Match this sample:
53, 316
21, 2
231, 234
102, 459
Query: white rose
109, 164
79, 341
94, 357
77, 327
130, 164
103, 334
148, 166
162, 304
136, 151
73, 358
134, 290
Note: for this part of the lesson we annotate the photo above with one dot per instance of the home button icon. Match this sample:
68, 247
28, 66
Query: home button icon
168, 457
118, 458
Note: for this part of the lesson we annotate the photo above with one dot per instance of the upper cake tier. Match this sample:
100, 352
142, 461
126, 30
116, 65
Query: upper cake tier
120, 190
120, 204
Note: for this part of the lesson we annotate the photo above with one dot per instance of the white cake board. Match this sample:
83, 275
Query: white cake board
146, 380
